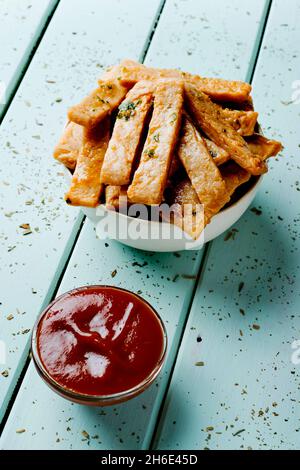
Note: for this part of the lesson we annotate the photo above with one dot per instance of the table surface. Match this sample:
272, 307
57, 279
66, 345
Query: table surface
239, 294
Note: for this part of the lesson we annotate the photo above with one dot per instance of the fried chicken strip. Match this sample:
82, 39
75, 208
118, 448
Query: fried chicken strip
85, 187
126, 136
201, 169
96, 106
218, 89
209, 118
150, 178
69, 145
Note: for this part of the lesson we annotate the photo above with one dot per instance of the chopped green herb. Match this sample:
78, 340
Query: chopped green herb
126, 110
156, 137
173, 118
150, 153
238, 432
199, 364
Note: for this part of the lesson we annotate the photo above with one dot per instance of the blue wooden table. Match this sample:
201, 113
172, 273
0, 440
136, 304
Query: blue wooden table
239, 294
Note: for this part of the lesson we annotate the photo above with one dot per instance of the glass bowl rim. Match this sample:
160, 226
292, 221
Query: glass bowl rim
73, 395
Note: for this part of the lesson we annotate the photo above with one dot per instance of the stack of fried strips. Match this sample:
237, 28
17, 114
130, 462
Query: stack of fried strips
151, 136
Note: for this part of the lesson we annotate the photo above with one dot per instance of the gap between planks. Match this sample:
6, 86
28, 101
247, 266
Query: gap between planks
81, 218
208, 246
29, 59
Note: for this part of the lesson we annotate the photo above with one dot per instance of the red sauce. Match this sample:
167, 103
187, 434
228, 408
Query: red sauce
100, 340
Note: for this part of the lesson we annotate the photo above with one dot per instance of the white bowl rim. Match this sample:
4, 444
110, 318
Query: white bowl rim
239, 201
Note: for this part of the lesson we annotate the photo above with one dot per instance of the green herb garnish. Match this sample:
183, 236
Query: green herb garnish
150, 153
126, 110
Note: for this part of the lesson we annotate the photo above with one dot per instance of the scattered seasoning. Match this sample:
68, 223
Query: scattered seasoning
26, 228
209, 428
114, 273
213, 154
241, 286
10, 316
242, 311
188, 276
5, 373
199, 339
156, 137
230, 235
238, 432
24, 332
256, 327
101, 100
199, 364
140, 265
256, 211
20, 431
85, 434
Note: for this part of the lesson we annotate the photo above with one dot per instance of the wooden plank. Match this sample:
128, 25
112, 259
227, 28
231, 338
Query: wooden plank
166, 280
68, 62
246, 308
22, 22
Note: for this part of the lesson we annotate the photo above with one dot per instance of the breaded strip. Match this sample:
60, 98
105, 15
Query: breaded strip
114, 196
187, 211
209, 118
218, 154
150, 178
218, 89
234, 176
85, 187
243, 122
101, 102
125, 139
263, 147
69, 146
201, 169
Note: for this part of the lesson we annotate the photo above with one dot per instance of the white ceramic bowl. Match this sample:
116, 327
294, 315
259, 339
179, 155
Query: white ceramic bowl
161, 236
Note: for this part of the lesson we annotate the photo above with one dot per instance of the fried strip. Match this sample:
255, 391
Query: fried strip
209, 118
69, 146
85, 187
218, 89
263, 147
234, 176
114, 196
218, 154
101, 102
243, 122
126, 137
202, 170
149, 180
188, 213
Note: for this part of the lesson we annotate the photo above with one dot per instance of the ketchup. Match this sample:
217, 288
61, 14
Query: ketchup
100, 340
